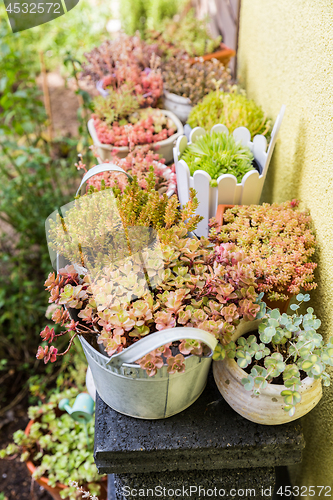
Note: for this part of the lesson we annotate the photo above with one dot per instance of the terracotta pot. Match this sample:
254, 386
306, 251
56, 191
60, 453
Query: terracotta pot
224, 54
55, 491
267, 408
282, 305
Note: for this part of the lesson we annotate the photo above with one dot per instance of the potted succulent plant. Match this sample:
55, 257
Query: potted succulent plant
150, 310
188, 34
279, 241
279, 369
118, 124
233, 109
58, 450
126, 59
186, 83
139, 162
214, 183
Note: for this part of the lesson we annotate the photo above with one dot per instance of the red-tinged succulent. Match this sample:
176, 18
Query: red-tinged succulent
145, 126
173, 281
141, 161
278, 240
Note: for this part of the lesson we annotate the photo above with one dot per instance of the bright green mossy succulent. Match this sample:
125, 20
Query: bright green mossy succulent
231, 109
218, 153
57, 446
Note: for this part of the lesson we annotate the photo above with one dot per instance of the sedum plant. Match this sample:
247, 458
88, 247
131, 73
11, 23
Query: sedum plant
130, 126
126, 62
231, 109
137, 271
218, 153
194, 80
187, 34
279, 241
139, 162
286, 349
58, 447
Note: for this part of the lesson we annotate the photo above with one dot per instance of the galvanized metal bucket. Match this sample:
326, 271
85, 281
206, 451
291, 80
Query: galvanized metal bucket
127, 388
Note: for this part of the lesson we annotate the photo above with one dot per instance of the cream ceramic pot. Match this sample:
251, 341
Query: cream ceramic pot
266, 408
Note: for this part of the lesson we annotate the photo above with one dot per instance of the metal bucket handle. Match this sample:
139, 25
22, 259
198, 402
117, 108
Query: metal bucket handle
99, 169
157, 339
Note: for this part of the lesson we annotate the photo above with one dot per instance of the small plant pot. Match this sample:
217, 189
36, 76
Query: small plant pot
228, 189
180, 106
224, 54
128, 389
267, 408
55, 490
163, 148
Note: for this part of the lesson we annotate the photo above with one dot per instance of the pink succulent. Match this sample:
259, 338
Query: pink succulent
176, 364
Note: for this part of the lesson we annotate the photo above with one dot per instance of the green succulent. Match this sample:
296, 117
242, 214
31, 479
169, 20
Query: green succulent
218, 153
58, 447
231, 109
289, 346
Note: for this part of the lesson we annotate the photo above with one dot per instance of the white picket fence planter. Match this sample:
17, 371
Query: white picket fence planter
163, 148
180, 106
228, 191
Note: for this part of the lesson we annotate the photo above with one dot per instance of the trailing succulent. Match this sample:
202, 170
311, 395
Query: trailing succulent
218, 153
58, 447
285, 351
231, 109
128, 281
279, 241
194, 80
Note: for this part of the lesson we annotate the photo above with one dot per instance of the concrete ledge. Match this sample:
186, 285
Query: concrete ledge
207, 436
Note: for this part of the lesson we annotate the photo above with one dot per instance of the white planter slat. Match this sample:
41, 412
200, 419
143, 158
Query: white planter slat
183, 174
228, 192
201, 182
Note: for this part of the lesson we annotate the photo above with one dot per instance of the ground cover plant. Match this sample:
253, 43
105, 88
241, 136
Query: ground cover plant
285, 350
218, 153
232, 109
60, 448
280, 242
194, 80
116, 301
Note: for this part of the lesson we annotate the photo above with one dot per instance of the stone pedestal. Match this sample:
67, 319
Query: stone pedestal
207, 451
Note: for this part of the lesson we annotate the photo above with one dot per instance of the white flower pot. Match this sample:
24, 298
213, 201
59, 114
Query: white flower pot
164, 148
180, 106
228, 190
266, 408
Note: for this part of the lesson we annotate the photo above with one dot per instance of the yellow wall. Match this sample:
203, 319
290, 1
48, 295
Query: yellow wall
286, 57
